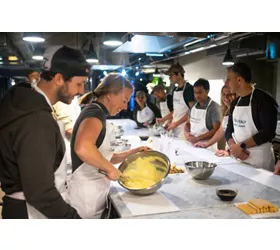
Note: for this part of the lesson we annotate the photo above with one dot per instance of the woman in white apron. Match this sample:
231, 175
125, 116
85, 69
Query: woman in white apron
145, 113
261, 156
180, 109
226, 98
89, 187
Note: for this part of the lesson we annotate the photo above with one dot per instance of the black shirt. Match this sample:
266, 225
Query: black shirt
169, 100
91, 110
264, 113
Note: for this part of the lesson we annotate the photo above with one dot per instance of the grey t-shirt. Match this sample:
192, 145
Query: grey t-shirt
213, 114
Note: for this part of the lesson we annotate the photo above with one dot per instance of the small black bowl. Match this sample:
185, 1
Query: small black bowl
226, 194
144, 138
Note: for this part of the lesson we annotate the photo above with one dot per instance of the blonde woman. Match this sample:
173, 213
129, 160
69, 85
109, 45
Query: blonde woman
226, 98
92, 148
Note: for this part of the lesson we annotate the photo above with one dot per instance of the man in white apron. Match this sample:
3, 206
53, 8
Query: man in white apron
165, 104
183, 100
252, 120
35, 180
205, 115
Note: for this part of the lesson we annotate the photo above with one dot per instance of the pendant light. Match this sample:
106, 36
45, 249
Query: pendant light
34, 37
112, 40
38, 54
91, 56
228, 59
156, 73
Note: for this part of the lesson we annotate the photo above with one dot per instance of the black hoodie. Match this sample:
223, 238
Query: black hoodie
31, 149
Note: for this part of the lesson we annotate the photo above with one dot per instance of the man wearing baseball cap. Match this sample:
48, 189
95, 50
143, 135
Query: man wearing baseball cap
32, 152
183, 100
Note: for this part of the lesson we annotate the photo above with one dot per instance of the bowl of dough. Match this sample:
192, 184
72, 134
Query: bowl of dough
144, 172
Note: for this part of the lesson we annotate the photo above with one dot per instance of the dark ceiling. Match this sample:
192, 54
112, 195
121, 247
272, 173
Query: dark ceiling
132, 53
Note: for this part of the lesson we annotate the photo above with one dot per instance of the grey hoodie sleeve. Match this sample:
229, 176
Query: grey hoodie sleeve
36, 154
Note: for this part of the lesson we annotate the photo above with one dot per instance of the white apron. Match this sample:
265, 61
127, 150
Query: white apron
164, 110
198, 123
60, 179
224, 127
145, 115
225, 123
88, 189
180, 109
244, 127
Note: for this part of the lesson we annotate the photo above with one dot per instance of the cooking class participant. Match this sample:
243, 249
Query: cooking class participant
66, 115
183, 100
205, 115
252, 120
32, 151
92, 149
226, 98
33, 77
165, 103
145, 112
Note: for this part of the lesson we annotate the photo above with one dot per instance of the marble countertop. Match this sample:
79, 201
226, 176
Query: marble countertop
198, 199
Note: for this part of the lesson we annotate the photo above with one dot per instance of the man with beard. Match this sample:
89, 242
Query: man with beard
32, 152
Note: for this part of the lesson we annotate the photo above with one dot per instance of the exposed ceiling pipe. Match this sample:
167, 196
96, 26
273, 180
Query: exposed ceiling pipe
224, 39
258, 52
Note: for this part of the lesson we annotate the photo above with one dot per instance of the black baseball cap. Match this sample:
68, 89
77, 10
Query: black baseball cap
65, 60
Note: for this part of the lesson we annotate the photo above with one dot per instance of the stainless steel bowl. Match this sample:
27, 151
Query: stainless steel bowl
164, 165
200, 170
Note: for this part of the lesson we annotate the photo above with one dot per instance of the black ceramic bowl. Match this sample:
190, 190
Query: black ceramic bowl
226, 194
144, 138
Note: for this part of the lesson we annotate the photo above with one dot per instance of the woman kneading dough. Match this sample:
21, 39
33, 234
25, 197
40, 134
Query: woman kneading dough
92, 148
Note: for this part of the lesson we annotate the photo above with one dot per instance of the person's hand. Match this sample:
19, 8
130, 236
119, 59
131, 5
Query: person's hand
244, 155
145, 124
222, 153
201, 144
139, 149
143, 148
193, 139
277, 168
235, 150
114, 174
171, 126
159, 120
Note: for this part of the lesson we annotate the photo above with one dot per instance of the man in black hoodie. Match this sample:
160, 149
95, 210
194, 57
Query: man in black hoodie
31, 148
